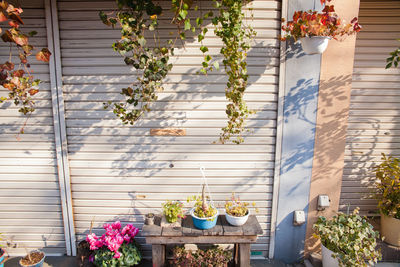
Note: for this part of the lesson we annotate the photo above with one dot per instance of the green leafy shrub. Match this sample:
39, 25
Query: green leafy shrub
214, 256
173, 210
388, 186
351, 238
130, 256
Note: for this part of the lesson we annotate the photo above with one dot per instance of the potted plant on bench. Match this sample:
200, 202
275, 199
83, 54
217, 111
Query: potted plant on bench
388, 195
204, 214
173, 210
237, 212
347, 240
314, 29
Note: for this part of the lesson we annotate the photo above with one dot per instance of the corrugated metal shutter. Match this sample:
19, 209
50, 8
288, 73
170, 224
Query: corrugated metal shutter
30, 209
120, 172
374, 122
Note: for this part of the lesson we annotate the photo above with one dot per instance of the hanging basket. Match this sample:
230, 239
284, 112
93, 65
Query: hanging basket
315, 44
204, 223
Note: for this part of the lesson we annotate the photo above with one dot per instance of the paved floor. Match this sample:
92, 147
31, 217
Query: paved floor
71, 262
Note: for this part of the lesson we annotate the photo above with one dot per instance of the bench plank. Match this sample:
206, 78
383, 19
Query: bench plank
230, 229
216, 230
188, 228
252, 227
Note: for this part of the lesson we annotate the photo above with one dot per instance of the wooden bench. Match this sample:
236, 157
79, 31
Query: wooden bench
222, 233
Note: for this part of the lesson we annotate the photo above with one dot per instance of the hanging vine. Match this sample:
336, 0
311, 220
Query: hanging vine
136, 17
17, 78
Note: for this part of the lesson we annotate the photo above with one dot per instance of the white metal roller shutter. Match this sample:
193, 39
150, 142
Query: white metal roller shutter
374, 122
121, 172
30, 209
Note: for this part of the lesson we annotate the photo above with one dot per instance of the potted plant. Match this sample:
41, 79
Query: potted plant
117, 247
347, 240
33, 259
388, 195
314, 29
173, 210
237, 212
203, 214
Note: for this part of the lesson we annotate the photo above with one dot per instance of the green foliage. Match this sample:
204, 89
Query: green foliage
388, 186
236, 37
153, 65
214, 256
350, 237
130, 256
173, 210
394, 58
152, 62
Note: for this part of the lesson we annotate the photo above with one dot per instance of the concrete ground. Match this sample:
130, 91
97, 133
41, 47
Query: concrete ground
71, 262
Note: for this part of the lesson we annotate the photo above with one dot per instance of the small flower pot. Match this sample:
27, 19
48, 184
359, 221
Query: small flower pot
390, 230
37, 264
327, 260
204, 223
315, 44
237, 221
149, 219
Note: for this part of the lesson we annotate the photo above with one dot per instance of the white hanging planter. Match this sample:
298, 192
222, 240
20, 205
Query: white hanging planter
237, 221
315, 44
327, 260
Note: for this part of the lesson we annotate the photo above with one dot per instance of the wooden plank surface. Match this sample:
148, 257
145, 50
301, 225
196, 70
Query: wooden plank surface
200, 239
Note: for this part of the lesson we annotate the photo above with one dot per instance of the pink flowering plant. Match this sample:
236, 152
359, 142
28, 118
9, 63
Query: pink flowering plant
117, 247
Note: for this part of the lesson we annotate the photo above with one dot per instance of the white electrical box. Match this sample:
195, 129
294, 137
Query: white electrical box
323, 202
299, 217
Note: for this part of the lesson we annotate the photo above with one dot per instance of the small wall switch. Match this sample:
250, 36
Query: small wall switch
323, 202
299, 217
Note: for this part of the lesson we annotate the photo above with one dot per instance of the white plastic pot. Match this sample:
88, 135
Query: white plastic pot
315, 44
327, 260
237, 221
390, 229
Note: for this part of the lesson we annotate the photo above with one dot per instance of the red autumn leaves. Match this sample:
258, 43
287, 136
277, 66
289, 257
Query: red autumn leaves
313, 23
19, 81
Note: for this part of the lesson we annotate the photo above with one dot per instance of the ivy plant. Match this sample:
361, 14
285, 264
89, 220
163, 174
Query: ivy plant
17, 78
351, 238
138, 17
394, 58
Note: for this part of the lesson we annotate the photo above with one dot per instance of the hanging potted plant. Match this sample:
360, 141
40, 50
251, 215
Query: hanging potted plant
347, 240
314, 29
388, 195
237, 212
33, 259
204, 214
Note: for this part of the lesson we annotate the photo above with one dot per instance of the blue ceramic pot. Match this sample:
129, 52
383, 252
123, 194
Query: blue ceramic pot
204, 223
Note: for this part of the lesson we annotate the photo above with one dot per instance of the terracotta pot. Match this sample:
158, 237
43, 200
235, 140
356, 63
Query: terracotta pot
390, 229
315, 44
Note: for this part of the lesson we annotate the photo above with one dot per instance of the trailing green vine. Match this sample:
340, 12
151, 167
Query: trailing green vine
135, 17
236, 37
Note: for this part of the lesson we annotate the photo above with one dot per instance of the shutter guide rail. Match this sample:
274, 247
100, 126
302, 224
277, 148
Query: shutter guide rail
59, 124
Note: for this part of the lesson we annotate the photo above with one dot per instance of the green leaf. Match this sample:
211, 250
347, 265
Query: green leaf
203, 49
183, 13
187, 24
182, 35
32, 33
216, 65
200, 37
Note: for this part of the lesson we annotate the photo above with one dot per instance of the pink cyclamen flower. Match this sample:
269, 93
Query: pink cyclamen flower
117, 255
116, 225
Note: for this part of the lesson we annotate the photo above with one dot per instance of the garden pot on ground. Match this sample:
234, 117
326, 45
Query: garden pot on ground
315, 44
327, 260
36, 259
204, 223
237, 221
390, 230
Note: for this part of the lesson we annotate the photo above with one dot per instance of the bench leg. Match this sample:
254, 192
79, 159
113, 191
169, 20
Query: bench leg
244, 255
158, 255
